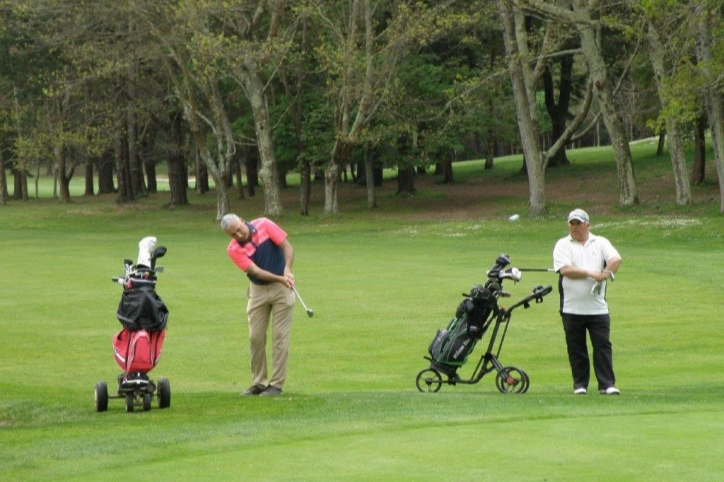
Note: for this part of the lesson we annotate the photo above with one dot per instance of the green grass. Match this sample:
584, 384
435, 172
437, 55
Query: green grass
380, 284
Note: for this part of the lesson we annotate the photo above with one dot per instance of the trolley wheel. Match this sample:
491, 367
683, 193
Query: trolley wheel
512, 380
146, 402
164, 393
129, 403
429, 380
101, 397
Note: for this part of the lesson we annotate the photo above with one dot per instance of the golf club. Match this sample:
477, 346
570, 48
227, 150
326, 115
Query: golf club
309, 311
545, 270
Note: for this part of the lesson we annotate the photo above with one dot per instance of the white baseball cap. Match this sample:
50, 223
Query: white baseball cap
578, 214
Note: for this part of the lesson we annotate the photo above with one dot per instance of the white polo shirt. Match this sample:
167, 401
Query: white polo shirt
593, 256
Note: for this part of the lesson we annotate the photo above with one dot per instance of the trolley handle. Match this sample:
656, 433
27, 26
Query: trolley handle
538, 293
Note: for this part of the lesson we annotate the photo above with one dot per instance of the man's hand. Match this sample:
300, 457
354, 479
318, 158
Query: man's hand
288, 278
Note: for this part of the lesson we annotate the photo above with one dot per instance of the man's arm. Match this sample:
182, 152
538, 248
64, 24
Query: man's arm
288, 263
612, 266
574, 272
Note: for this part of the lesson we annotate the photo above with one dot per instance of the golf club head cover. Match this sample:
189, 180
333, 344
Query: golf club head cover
145, 248
500, 263
511, 273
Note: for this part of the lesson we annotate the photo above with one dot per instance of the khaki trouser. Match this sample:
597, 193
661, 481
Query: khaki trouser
273, 302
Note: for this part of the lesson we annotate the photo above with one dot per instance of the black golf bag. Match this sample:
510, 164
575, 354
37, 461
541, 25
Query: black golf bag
451, 346
141, 308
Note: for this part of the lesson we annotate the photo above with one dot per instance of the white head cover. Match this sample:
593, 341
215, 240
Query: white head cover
511, 273
145, 248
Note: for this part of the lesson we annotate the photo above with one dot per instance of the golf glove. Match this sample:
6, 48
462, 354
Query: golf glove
596, 289
145, 248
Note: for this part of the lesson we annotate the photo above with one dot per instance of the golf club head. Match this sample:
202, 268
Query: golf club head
310, 312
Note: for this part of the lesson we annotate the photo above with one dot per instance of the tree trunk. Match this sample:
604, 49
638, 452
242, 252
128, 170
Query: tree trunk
628, 192
89, 184
558, 112
370, 178
202, 174
661, 143
251, 156
331, 179
406, 180
145, 151
123, 169
268, 172
698, 175
217, 164
152, 182
134, 161
491, 141
222, 199
4, 197
673, 129
490, 155
61, 157
527, 121
340, 157
176, 160
175, 181
237, 172
678, 163
305, 187
447, 172
105, 173
20, 185
714, 99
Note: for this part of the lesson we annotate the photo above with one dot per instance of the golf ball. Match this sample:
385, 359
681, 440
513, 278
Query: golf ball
514, 217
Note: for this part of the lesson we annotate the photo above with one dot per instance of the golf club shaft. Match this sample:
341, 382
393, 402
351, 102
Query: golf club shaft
544, 270
300, 299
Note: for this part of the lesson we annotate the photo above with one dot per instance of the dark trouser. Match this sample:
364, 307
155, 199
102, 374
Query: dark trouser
599, 328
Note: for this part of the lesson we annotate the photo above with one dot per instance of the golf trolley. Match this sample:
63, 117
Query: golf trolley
137, 347
473, 318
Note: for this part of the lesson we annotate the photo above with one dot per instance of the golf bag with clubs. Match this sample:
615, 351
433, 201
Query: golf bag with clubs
477, 314
138, 345
451, 346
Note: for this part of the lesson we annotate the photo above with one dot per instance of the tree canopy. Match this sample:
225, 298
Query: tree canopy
327, 87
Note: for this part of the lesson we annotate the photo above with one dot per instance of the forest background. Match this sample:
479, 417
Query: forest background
339, 90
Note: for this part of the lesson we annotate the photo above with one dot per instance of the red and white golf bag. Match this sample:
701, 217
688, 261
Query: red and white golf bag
143, 314
138, 351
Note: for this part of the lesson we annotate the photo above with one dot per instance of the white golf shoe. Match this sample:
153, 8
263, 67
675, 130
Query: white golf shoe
610, 391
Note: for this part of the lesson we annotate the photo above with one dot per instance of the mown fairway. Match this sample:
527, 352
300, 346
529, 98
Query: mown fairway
380, 285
